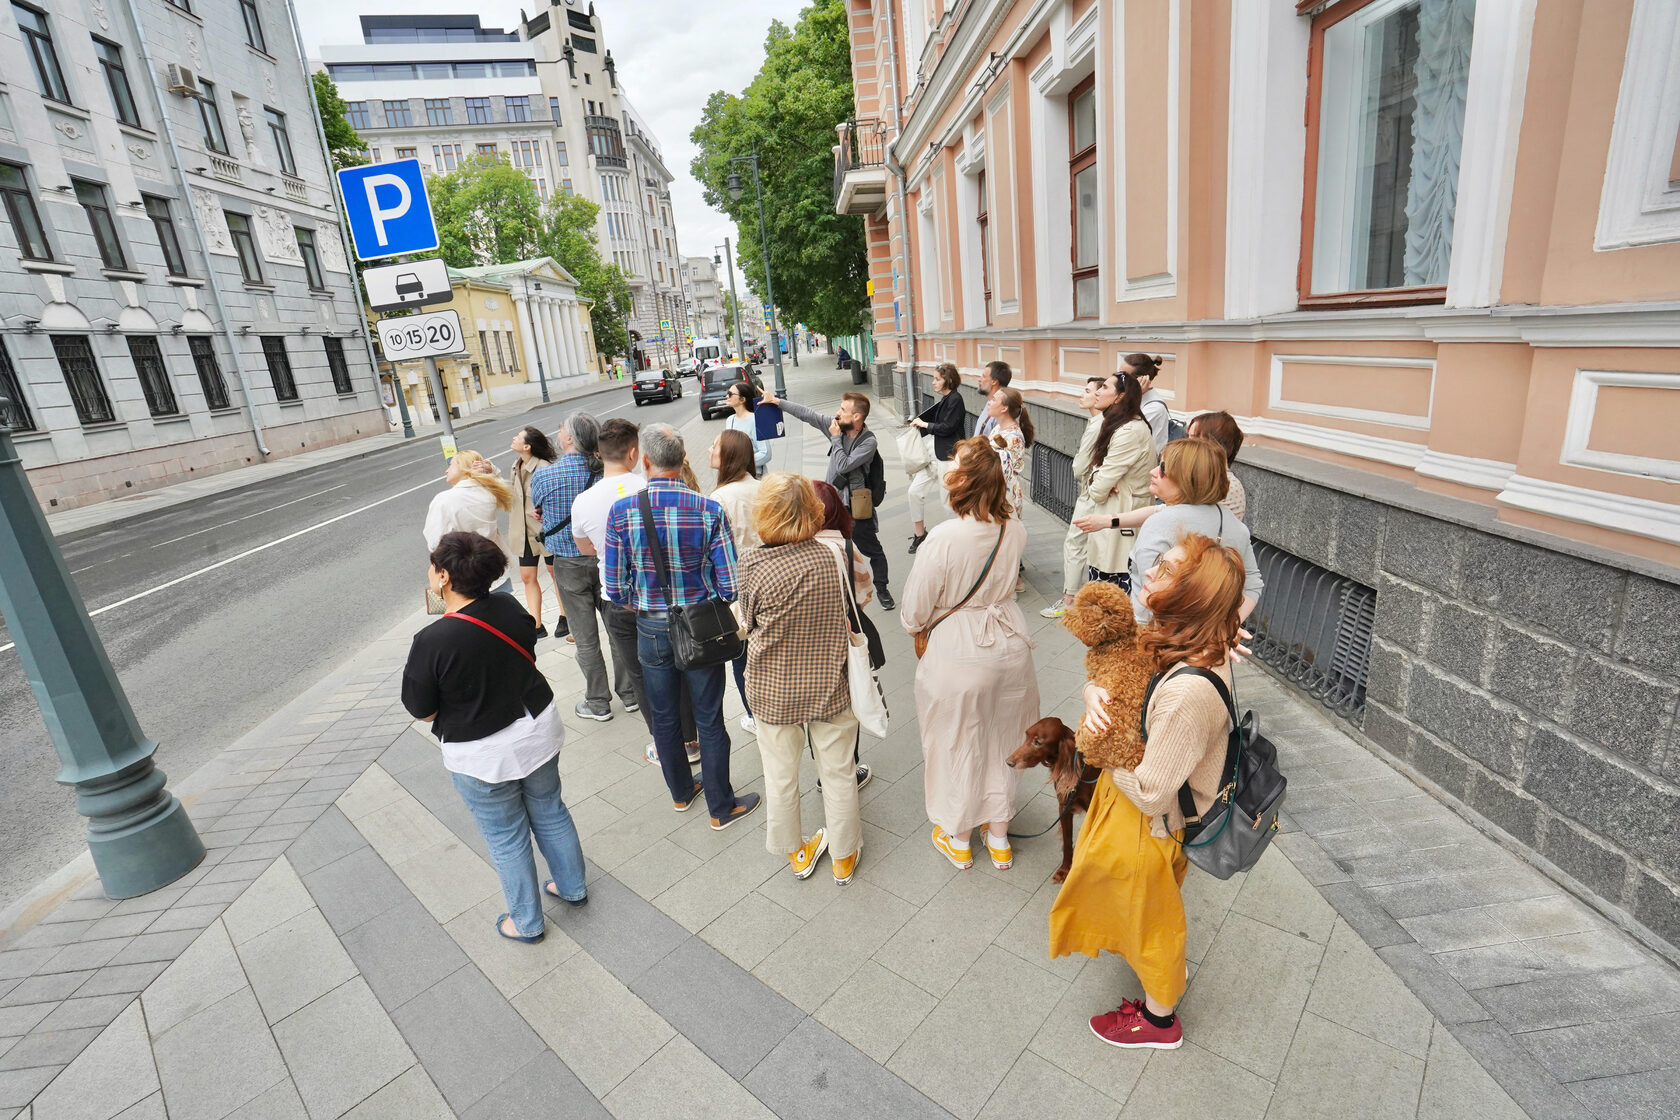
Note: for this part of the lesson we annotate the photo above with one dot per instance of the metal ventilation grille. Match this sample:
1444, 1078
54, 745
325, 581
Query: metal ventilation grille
1052, 480
1314, 627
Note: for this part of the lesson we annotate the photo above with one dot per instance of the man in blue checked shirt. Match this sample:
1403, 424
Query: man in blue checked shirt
553, 489
701, 552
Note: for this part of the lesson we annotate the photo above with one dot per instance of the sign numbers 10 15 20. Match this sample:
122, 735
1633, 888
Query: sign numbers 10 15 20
421, 336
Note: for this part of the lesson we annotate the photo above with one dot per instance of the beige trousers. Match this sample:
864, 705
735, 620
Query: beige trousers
927, 486
781, 746
1075, 551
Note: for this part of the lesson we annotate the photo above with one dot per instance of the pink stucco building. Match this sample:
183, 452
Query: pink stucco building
1428, 253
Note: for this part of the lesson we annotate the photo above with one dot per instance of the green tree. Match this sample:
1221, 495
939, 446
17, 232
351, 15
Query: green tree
788, 111
343, 145
489, 212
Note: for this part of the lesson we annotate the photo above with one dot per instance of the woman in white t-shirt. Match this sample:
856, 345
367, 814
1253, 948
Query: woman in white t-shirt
740, 400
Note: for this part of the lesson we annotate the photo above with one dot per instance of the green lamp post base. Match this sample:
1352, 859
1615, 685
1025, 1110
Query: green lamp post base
138, 832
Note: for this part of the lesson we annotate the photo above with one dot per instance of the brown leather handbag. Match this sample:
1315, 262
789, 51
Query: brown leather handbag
920, 637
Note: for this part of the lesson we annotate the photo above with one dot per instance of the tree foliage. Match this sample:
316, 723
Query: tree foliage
489, 212
346, 148
789, 112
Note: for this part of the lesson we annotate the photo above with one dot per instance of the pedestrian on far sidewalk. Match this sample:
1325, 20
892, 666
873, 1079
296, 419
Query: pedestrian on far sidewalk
737, 491
693, 534
475, 496
944, 422
855, 469
525, 526
1123, 893
976, 689
554, 489
472, 675
794, 609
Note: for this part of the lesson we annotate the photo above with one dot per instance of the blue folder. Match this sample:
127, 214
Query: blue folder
768, 417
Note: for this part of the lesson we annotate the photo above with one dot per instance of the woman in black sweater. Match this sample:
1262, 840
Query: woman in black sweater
945, 422
472, 675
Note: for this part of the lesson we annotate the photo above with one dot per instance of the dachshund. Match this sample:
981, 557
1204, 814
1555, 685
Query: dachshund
1050, 742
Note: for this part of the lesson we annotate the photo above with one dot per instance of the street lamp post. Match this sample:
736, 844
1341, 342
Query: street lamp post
139, 835
735, 189
734, 299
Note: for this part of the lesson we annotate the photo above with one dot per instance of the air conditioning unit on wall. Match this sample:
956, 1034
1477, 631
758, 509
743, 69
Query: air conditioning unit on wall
182, 81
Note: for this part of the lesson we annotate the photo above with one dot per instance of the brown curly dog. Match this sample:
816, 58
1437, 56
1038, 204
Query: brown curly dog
1101, 617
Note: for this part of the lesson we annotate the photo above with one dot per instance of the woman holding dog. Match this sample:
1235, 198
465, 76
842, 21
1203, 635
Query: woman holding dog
1123, 893
976, 690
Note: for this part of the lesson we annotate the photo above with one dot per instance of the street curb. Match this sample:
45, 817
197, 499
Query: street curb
121, 517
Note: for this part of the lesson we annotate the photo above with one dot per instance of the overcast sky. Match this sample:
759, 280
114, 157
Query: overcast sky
671, 55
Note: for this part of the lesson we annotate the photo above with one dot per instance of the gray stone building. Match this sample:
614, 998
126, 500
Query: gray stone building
705, 298
175, 296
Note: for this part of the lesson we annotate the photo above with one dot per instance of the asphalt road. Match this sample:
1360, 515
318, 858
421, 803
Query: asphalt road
209, 658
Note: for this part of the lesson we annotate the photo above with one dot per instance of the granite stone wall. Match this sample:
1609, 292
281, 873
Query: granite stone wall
1537, 687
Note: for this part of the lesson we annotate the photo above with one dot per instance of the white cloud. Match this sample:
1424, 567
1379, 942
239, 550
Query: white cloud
671, 55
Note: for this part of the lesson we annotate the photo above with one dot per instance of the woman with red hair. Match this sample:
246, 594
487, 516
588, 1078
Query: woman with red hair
1122, 893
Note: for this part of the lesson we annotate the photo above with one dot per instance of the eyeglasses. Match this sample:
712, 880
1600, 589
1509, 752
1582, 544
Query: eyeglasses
1165, 569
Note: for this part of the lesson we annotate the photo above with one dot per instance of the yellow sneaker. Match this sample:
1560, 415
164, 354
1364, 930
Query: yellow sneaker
846, 866
804, 861
958, 856
1002, 858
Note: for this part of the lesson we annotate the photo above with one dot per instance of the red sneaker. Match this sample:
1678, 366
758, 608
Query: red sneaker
1126, 1026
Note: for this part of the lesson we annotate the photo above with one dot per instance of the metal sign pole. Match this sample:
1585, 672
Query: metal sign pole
436, 382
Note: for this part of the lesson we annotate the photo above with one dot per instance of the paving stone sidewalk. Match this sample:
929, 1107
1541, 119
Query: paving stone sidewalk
335, 954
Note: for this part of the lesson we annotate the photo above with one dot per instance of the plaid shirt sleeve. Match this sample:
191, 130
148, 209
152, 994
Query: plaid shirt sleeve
722, 550
615, 557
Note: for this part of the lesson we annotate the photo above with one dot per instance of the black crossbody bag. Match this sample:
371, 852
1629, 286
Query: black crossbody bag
1239, 825
704, 633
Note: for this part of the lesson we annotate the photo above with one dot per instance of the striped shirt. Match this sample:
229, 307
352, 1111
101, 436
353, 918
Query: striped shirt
698, 547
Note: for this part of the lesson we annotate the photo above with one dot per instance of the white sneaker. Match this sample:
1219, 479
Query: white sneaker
1054, 610
651, 754
749, 725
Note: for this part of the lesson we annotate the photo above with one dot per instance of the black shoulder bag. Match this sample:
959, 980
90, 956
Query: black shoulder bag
1242, 820
704, 633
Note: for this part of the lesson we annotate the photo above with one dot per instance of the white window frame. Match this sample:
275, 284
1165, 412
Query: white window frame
1639, 206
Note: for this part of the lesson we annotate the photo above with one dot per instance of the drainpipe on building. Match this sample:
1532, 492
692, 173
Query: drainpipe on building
349, 246
896, 169
198, 232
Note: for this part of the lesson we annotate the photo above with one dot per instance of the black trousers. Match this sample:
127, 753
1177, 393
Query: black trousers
866, 535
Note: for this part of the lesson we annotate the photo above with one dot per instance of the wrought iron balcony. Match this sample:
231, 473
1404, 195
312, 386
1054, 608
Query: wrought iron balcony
860, 167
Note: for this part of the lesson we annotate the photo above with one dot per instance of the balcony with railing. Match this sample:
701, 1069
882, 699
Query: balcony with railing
860, 167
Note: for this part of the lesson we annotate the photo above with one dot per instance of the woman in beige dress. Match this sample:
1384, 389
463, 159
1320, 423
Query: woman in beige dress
976, 689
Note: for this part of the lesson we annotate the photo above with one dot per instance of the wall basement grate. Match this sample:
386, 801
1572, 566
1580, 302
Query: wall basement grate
1314, 627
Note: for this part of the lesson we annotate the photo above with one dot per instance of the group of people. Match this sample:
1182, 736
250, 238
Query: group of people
630, 537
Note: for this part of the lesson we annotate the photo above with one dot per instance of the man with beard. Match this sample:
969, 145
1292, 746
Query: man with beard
854, 469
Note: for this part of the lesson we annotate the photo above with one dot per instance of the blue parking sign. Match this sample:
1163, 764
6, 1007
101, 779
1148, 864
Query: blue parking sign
388, 209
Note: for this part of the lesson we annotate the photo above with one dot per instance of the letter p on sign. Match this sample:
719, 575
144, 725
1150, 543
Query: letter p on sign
388, 209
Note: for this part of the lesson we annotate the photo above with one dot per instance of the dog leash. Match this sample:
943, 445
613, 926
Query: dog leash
1066, 809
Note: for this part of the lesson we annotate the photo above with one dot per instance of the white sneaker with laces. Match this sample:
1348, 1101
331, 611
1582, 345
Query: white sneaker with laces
749, 725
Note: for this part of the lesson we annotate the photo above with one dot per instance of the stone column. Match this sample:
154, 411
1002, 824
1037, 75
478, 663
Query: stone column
562, 316
553, 358
568, 312
527, 328
585, 357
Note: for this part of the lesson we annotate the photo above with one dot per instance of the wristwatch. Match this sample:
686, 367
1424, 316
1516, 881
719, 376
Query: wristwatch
1114, 523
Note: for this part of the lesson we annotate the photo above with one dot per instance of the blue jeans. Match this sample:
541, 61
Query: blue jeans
662, 681
508, 815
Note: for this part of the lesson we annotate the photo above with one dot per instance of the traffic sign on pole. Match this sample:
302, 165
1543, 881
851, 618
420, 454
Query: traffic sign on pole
414, 284
388, 209
421, 336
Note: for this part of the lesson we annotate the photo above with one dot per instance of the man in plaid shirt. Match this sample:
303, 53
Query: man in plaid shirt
701, 553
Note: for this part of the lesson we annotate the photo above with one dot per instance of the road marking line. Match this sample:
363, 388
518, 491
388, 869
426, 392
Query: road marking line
248, 516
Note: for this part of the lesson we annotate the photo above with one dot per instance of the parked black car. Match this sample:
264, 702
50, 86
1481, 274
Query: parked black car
656, 385
714, 387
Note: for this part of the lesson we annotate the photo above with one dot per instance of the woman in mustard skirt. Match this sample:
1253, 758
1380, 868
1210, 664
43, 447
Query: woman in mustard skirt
1122, 893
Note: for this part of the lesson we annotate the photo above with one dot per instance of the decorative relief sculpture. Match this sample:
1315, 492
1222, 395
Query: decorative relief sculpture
275, 235
331, 249
248, 130
194, 52
100, 15
210, 216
